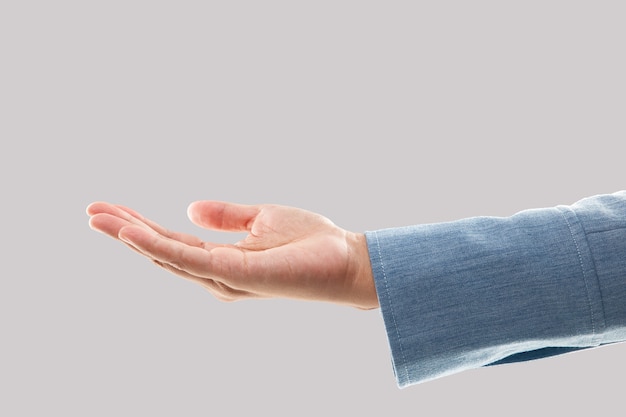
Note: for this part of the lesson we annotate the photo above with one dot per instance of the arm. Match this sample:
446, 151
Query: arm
486, 290
454, 296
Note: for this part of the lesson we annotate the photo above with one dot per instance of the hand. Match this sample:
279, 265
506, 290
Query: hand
288, 252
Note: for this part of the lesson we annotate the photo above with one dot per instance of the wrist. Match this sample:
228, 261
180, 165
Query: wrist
361, 277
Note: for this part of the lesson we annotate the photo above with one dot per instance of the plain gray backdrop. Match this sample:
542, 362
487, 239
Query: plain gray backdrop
373, 113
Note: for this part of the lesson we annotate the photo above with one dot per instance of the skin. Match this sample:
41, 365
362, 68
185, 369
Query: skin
287, 253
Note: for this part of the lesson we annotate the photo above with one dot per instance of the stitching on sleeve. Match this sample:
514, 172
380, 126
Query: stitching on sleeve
392, 310
582, 268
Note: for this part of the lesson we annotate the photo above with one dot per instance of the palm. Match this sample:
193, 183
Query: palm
296, 252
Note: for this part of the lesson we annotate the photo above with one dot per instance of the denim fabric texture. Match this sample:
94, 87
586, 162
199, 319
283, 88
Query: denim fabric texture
489, 290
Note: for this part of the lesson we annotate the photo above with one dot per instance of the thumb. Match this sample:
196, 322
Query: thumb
223, 216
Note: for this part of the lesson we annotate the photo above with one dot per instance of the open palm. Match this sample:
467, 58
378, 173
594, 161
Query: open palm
288, 252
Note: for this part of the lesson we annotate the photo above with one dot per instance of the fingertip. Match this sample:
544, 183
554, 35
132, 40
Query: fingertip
121, 236
98, 207
92, 224
91, 208
192, 212
125, 233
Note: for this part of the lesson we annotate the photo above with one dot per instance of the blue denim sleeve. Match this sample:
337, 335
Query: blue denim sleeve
489, 290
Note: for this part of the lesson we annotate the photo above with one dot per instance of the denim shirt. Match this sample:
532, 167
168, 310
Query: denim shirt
489, 290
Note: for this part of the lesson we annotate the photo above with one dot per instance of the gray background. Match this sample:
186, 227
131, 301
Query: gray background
375, 114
